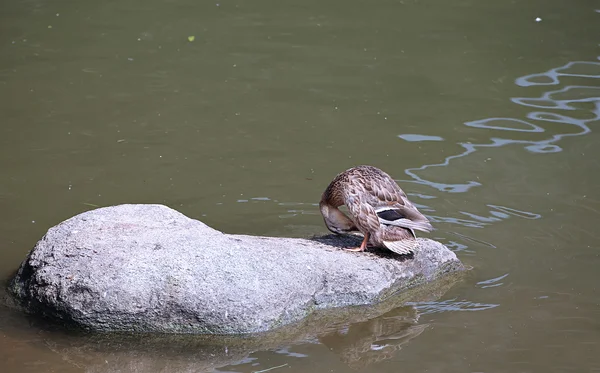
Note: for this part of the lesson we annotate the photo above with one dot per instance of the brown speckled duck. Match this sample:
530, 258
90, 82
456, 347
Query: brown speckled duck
379, 209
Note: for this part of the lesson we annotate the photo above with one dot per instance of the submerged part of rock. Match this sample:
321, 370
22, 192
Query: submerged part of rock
148, 268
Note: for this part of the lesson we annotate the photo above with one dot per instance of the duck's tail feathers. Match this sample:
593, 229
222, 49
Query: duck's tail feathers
402, 247
421, 225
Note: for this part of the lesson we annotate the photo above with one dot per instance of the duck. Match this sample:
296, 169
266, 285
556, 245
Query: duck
378, 208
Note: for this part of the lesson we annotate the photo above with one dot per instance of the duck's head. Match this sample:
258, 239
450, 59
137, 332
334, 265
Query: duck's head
335, 220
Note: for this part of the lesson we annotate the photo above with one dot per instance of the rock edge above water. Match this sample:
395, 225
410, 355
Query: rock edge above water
149, 268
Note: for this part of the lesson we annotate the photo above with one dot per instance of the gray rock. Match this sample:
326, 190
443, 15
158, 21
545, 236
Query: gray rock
148, 268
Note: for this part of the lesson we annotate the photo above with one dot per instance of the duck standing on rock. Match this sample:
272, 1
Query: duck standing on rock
379, 209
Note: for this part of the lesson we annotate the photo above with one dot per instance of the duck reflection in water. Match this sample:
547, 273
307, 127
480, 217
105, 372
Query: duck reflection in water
364, 343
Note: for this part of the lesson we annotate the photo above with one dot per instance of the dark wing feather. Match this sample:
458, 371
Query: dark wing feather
390, 215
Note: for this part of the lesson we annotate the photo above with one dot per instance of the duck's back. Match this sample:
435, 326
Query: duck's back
374, 186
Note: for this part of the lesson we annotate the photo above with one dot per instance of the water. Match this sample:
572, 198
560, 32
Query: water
484, 116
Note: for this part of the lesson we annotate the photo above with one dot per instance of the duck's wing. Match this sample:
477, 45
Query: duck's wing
363, 214
403, 216
402, 247
374, 199
399, 239
393, 207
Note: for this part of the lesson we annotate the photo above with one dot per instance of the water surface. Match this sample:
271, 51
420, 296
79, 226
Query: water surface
484, 115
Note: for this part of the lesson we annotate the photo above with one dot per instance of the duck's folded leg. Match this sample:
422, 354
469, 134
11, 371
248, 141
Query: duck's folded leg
362, 246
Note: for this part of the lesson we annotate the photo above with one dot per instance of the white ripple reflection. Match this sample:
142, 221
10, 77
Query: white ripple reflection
450, 305
554, 74
536, 121
492, 282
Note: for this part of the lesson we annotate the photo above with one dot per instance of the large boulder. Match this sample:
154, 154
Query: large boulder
149, 268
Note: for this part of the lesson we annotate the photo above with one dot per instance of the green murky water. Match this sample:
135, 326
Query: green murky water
484, 115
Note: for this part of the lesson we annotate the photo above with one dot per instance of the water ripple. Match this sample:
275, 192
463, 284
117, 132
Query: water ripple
484, 123
546, 101
506, 211
469, 238
425, 308
416, 138
535, 122
554, 74
493, 282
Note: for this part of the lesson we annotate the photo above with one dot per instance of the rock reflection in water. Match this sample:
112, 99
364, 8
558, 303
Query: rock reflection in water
362, 344
361, 335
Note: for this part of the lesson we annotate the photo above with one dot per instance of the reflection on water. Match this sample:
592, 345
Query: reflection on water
451, 305
538, 122
496, 213
493, 282
385, 327
551, 77
360, 336
292, 209
464, 237
416, 138
568, 98
561, 99
365, 343
357, 344
556, 104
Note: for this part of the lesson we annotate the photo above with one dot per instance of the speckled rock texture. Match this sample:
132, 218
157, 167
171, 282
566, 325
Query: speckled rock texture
149, 268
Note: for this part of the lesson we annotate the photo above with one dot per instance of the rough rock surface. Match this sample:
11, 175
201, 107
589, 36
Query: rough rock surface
149, 268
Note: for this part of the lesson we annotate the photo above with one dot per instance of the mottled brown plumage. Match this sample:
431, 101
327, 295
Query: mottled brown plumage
378, 208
